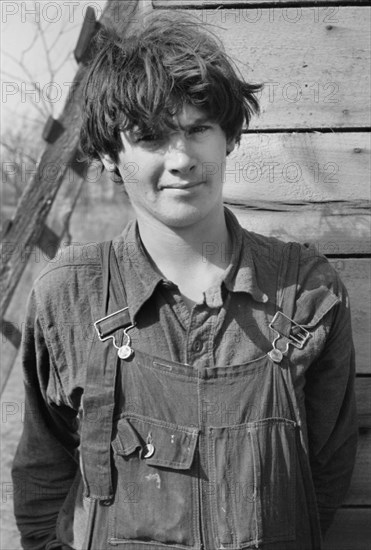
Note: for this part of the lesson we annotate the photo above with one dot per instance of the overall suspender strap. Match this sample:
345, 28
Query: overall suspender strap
114, 286
288, 278
99, 393
292, 333
288, 332
116, 312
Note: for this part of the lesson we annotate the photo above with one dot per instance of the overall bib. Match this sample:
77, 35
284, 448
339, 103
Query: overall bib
175, 457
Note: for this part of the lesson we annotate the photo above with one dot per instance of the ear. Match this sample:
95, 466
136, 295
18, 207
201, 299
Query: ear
108, 163
231, 144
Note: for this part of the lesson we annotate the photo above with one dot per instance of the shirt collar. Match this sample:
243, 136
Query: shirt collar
240, 275
141, 277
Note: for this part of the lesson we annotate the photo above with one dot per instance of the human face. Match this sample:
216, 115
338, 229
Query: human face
177, 177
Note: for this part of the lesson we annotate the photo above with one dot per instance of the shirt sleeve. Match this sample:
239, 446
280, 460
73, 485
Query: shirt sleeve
331, 412
46, 460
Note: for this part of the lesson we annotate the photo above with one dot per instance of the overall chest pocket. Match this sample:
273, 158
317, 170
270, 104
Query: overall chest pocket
156, 484
254, 479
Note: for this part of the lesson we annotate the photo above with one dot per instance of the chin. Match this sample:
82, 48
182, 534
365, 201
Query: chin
183, 217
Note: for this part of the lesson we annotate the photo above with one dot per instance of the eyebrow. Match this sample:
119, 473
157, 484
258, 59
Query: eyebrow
203, 119
199, 120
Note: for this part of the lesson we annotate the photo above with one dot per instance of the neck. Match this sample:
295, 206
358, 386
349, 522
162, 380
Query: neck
177, 251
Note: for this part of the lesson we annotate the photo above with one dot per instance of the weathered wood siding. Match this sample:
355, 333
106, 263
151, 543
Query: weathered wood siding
302, 170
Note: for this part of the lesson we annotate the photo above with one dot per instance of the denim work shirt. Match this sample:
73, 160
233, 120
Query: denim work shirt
228, 328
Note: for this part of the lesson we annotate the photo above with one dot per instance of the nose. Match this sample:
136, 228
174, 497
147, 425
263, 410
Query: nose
180, 156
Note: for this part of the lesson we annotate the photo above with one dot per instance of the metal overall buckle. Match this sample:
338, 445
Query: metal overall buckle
124, 351
297, 336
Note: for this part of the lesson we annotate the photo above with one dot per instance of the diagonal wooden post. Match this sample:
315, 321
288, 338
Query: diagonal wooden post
27, 230
27, 225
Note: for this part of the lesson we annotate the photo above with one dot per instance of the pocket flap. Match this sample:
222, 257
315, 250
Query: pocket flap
173, 446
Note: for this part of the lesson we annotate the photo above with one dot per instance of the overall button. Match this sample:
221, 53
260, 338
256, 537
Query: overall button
276, 355
148, 450
124, 352
197, 345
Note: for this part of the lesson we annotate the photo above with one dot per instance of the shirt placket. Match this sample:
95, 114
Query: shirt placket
198, 344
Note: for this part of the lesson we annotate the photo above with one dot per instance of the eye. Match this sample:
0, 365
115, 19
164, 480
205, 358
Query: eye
146, 137
200, 129
149, 138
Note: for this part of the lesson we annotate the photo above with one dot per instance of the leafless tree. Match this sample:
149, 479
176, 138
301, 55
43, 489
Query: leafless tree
21, 142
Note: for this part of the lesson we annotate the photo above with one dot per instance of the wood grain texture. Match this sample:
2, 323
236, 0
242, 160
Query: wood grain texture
351, 530
363, 397
332, 228
314, 63
34, 260
299, 167
168, 4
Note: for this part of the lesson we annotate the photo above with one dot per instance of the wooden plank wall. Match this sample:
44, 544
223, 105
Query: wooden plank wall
302, 170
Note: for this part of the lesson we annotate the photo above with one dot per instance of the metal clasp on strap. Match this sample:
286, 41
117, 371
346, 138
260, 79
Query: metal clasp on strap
107, 326
296, 334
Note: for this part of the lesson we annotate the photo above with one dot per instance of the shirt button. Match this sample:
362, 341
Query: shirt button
197, 345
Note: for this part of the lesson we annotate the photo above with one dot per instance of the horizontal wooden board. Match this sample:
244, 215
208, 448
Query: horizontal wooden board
235, 3
363, 398
325, 225
314, 64
299, 167
351, 530
360, 489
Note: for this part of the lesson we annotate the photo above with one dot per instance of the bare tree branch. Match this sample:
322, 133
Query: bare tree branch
21, 147
20, 64
25, 117
14, 77
29, 48
68, 56
46, 50
15, 150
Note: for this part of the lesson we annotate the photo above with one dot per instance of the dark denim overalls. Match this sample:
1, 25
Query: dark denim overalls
179, 458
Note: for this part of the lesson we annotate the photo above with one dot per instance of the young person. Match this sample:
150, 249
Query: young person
190, 385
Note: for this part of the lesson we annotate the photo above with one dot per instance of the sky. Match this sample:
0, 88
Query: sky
24, 60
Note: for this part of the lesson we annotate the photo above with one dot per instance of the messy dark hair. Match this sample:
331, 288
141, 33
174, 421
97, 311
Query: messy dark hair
145, 79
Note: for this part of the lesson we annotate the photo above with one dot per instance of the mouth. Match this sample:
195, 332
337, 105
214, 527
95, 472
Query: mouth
183, 186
